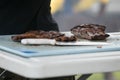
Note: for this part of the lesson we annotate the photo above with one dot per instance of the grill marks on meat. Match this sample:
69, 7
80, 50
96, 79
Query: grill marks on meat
66, 39
37, 34
43, 35
90, 31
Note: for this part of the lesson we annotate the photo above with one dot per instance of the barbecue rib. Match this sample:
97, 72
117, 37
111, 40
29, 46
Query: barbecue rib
90, 31
44, 35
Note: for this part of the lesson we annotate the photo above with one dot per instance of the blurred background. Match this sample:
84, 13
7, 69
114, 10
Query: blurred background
69, 13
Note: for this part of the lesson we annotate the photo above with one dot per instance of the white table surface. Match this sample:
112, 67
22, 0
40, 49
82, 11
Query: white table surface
60, 65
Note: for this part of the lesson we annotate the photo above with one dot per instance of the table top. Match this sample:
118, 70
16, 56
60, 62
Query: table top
56, 65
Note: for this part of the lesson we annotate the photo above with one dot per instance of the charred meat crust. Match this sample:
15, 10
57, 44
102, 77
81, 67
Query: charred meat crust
44, 35
90, 31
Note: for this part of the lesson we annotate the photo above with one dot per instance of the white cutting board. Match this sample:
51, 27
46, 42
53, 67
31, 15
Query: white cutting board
17, 48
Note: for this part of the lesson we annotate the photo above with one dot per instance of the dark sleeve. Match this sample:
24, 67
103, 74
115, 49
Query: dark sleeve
45, 20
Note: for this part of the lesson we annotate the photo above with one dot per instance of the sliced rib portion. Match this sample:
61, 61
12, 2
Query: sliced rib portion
90, 31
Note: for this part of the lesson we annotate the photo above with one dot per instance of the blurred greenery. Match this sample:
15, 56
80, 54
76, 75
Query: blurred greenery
100, 76
117, 75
